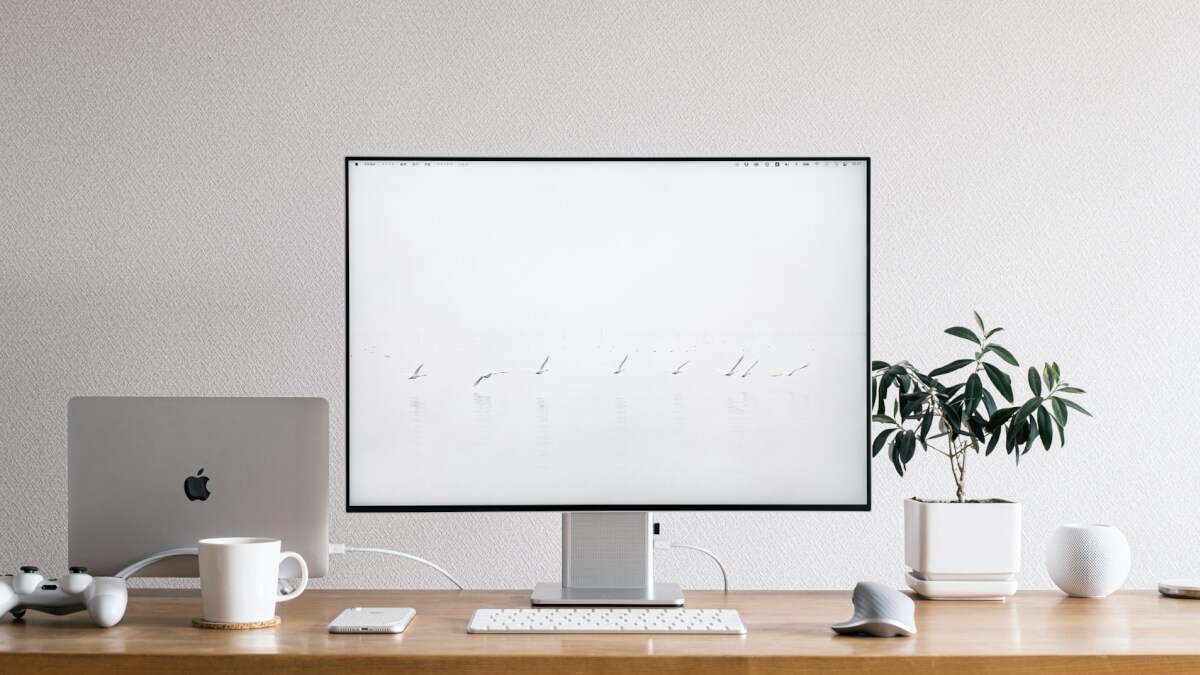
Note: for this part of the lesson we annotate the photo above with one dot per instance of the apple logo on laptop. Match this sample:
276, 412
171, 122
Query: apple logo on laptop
196, 487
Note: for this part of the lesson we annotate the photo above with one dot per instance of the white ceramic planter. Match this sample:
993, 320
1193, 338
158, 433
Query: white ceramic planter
1088, 561
970, 550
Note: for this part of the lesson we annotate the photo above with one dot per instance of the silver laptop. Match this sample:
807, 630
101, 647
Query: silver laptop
150, 474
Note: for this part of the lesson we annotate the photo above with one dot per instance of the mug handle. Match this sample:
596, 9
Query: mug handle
303, 576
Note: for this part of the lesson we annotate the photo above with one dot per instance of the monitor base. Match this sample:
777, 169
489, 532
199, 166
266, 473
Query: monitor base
550, 594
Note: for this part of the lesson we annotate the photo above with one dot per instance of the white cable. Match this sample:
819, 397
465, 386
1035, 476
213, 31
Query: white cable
285, 586
724, 577
334, 548
139, 565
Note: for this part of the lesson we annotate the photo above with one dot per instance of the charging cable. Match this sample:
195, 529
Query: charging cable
662, 543
146, 562
284, 585
342, 548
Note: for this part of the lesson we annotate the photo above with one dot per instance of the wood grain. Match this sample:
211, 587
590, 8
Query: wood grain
1034, 632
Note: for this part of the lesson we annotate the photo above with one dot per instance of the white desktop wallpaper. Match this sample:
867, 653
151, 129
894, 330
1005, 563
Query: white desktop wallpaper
172, 220
608, 333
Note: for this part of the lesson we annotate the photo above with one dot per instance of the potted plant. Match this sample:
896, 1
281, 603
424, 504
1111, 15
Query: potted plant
964, 548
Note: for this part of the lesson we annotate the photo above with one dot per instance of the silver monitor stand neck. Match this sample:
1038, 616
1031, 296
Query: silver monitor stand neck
608, 560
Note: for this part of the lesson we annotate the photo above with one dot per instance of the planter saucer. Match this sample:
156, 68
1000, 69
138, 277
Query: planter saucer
961, 590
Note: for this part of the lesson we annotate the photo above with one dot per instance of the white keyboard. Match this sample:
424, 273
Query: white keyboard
607, 620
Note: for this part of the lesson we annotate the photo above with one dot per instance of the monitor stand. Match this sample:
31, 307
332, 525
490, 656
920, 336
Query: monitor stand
608, 560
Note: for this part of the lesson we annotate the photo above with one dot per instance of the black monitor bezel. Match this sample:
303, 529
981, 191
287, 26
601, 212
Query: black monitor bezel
604, 507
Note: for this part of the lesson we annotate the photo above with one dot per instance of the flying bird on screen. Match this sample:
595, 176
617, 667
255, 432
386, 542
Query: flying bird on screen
542, 369
484, 377
793, 372
733, 370
621, 368
417, 373
750, 369
680, 368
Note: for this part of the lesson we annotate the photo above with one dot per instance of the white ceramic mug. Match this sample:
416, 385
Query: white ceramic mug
239, 578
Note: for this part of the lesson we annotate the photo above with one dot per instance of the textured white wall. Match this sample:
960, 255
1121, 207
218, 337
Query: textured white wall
172, 217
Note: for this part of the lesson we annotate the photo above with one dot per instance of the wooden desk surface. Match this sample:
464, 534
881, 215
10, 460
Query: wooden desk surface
1035, 632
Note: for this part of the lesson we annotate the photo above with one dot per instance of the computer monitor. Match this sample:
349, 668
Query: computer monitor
607, 335
152, 474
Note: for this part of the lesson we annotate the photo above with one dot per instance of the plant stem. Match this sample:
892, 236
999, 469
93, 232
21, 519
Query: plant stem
953, 467
962, 473
957, 465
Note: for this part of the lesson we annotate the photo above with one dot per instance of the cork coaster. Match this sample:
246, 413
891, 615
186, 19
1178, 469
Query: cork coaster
216, 625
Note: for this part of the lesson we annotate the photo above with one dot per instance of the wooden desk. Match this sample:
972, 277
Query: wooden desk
1035, 632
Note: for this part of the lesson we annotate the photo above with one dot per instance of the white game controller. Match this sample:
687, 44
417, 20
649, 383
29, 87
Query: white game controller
104, 598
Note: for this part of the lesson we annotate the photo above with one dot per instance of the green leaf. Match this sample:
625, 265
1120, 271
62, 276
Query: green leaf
964, 333
951, 367
989, 403
910, 446
953, 417
992, 444
946, 392
902, 450
879, 365
1000, 380
884, 383
874, 391
894, 454
911, 403
1026, 433
880, 441
1054, 369
883, 419
1010, 437
1071, 390
978, 321
1035, 381
1072, 404
1032, 426
900, 375
992, 332
975, 424
1060, 410
1003, 353
1049, 376
1027, 408
926, 424
998, 418
1047, 431
972, 395
1062, 436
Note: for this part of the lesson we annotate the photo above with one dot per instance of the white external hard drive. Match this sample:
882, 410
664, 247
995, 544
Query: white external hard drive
373, 620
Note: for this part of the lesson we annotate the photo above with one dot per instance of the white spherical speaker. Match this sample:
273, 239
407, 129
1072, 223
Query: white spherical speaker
1088, 561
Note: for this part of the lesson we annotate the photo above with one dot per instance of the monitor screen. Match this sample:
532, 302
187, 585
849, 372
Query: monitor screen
617, 334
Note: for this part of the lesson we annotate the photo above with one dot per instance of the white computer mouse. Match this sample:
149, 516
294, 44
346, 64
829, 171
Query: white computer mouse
879, 611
